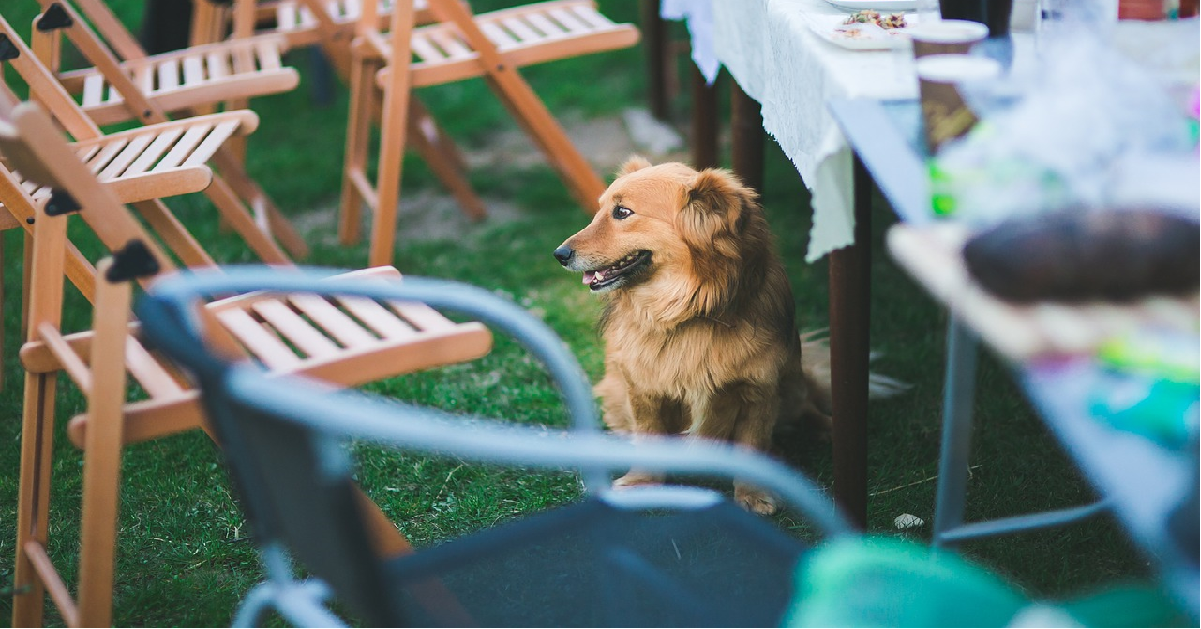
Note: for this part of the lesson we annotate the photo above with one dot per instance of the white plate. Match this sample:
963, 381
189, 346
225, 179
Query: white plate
858, 36
876, 5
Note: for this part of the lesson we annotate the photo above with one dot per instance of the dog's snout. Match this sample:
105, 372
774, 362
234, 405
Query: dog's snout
564, 254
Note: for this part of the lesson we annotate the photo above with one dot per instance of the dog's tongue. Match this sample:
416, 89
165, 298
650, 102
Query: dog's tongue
589, 276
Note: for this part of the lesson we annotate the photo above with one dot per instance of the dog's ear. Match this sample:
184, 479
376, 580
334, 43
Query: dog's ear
716, 200
633, 163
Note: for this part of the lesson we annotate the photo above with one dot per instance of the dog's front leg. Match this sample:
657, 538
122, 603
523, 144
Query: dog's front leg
651, 414
744, 414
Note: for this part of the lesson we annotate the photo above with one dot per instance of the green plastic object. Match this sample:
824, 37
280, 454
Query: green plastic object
886, 582
882, 582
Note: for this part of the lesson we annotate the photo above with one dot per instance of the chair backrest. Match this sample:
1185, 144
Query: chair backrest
44, 85
298, 489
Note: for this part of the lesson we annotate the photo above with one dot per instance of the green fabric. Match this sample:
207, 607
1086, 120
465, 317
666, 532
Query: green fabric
885, 582
1127, 605
880, 582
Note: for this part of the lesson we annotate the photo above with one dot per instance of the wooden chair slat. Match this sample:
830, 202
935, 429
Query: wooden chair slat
334, 322
168, 75
193, 70
542, 23
377, 318
154, 151
592, 17
421, 316
93, 90
293, 327
86, 153
497, 35
106, 154
569, 21
261, 342
522, 30
185, 146
426, 51
126, 156
215, 139
285, 16
268, 55
454, 47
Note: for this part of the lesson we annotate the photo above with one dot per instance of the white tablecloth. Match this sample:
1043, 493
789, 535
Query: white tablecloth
769, 48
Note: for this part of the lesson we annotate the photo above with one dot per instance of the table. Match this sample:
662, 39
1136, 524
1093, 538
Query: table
1143, 482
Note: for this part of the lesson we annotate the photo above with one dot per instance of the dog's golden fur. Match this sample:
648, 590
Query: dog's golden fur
699, 323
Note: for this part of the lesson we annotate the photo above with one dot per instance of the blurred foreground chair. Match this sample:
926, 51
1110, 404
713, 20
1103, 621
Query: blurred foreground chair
163, 143
461, 46
341, 342
646, 557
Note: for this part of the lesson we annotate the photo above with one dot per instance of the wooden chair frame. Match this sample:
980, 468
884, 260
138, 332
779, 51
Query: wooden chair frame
331, 24
458, 46
238, 198
344, 342
231, 70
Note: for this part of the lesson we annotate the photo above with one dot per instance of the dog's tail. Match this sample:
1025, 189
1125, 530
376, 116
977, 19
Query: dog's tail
815, 359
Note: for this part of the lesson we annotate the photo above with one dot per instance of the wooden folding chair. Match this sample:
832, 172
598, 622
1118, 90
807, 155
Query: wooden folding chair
235, 69
461, 46
238, 198
331, 25
345, 342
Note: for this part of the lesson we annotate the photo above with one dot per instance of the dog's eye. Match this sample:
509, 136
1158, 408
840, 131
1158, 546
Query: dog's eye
621, 212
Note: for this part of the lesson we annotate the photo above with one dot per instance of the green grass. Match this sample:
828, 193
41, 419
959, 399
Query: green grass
184, 558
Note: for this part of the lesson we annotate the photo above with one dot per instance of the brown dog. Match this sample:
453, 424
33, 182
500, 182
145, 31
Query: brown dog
699, 325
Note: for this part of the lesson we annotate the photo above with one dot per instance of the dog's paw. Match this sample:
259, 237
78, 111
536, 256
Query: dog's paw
634, 479
754, 500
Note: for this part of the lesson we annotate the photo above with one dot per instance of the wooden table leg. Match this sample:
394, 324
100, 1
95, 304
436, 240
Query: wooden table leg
746, 129
654, 39
850, 302
704, 121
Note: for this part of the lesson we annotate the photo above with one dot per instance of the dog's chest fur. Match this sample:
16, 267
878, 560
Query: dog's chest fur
698, 356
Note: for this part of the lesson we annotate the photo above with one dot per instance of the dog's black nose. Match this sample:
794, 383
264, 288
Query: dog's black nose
564, 254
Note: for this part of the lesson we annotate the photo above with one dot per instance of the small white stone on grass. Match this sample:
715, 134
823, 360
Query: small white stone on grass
907, 521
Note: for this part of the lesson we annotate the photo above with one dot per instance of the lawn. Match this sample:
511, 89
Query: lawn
184, 557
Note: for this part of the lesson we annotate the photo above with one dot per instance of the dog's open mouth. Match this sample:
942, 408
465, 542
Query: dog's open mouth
618, 271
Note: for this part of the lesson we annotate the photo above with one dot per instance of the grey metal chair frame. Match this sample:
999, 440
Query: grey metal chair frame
170, 324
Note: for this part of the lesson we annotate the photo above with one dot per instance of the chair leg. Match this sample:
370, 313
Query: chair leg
525, 106
394, 125
172, 231
955, 449
358, 142
102, 453
33, 499
1, 311
248, 190
231, 207
443, 157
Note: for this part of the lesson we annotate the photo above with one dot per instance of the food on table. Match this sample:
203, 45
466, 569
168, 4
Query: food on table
867, 16
1074, 256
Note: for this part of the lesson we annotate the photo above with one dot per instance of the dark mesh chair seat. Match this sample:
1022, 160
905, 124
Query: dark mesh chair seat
711, 567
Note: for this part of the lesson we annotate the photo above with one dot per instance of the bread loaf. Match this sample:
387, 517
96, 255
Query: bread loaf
1115, 255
